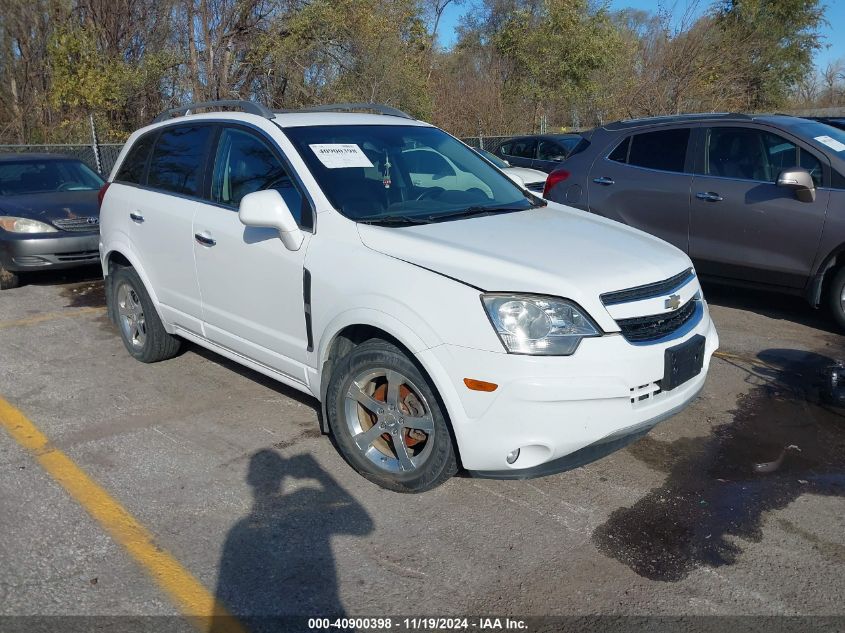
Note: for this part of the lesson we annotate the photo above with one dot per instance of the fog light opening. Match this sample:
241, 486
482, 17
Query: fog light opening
512, 456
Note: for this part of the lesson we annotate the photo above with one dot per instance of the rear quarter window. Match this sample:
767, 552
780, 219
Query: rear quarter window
132, 169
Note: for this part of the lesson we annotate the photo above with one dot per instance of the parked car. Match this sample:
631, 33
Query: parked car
476, 325
756, 201
532, 179
49, 216
543, 152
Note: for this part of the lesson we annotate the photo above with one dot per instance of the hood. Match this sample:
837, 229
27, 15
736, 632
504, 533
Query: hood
528, 176
554, 250
46, 207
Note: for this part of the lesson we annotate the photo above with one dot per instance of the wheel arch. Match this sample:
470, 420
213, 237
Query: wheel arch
123, 257
825, 272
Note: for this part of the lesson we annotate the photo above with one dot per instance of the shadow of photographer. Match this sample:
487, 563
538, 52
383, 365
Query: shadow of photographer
277, 564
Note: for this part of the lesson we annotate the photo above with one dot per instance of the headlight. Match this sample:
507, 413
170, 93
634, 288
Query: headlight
24, 225
531, 324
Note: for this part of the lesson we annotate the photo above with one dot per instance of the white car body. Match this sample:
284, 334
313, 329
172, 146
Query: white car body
422, 286
528, 177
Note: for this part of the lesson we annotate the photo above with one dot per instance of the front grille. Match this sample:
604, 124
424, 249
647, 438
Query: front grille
656, 326
536, 187
647, 291
78, 225
78, 256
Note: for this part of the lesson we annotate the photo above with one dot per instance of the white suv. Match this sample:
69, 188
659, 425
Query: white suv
442, 321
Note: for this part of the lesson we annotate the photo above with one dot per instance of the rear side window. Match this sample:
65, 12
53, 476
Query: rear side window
178, 159
132, 169
620, 154
665, 150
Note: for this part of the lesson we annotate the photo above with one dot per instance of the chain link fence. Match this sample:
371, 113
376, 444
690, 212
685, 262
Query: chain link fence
110, 151
488, 143
85, 153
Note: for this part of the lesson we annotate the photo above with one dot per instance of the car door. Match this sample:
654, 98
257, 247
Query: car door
251, 285
644, 180
742, 225
161, 217
550, 154
521, 152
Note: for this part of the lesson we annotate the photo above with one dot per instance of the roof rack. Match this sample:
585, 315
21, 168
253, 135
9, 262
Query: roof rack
340, 107
249, 107
674, 118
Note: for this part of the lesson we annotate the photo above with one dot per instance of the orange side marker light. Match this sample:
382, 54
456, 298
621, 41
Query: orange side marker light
480, 385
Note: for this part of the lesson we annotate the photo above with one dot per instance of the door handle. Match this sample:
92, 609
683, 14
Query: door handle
205, 238
136, 217
709, 196
604, 180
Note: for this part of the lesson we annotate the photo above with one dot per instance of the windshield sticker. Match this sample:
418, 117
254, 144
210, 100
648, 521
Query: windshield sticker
336, 155
832, 143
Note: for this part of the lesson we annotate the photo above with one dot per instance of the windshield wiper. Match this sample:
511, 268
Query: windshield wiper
476, 211
393, 220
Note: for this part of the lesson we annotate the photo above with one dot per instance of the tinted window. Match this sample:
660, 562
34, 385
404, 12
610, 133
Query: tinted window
244, 164
505, 148
753, 154
620, 154
837, 180
665, 150
132, 169
178, 159
49, 176
549, 150
523, 148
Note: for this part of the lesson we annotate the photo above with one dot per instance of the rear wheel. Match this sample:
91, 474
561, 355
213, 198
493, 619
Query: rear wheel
141, 329
387, 421
8, 279
836, 297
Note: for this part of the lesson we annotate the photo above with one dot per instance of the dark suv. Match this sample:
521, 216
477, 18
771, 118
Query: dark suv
753, 200
544, 152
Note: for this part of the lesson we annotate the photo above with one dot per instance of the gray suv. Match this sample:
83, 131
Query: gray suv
753, 200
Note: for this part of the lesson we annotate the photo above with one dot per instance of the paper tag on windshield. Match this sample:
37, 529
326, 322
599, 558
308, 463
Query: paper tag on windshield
335, 155
831, 142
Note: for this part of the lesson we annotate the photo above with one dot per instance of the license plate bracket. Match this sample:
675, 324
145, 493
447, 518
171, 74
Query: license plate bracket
682, 362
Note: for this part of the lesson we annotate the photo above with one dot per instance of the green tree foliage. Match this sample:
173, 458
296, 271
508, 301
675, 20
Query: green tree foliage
775, 39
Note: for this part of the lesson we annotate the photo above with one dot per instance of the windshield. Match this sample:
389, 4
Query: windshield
403, 174
23, 177
498, 162
829, 136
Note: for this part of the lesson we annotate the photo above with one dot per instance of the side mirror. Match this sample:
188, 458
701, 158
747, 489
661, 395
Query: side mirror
269, 210
800, 181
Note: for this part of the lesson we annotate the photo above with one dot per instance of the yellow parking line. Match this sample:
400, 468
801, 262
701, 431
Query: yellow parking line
192, 598
50, 316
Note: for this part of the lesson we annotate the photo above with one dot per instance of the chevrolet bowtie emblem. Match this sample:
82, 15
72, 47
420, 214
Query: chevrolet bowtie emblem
673, 302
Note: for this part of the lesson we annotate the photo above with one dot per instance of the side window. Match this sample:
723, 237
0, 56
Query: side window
665, 150
523, 148
505, 148
620, 153
549, 150
133, 166
178, 159
752, 154
243, 164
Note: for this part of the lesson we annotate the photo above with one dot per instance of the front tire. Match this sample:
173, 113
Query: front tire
387, 420
836, 297
140, 328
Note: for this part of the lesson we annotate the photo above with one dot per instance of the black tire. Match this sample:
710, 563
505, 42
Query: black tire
834, 294
8, 279
157, 344
440, 461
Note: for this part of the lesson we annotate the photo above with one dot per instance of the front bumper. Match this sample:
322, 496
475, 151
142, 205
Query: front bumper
23, 252
561, 412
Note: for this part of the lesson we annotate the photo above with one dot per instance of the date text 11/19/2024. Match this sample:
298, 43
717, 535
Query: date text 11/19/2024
418, 624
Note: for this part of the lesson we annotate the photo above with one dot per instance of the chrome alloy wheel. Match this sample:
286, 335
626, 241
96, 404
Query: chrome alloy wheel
131, 316
842, 299
389, 420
